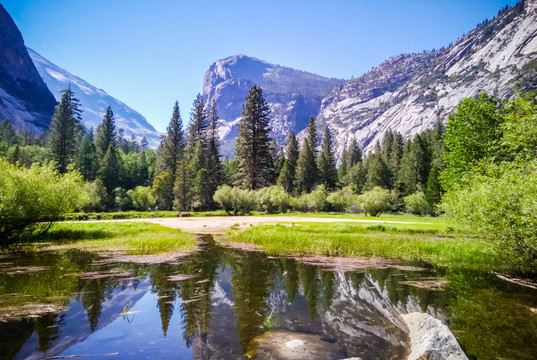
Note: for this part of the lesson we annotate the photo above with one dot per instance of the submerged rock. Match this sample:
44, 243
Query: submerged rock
430, 339
282, 344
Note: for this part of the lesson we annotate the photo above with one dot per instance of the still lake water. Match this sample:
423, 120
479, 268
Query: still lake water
212, 304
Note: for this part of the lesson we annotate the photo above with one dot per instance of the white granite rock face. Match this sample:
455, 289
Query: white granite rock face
430, 339
410, 93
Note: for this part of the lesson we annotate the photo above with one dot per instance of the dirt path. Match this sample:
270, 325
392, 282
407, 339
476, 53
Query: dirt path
221, 224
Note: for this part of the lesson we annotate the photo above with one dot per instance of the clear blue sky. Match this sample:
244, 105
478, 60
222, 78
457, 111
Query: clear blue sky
149, 53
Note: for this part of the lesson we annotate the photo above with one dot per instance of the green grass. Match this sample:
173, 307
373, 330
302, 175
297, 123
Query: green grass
136, 237
406, 243
113, 215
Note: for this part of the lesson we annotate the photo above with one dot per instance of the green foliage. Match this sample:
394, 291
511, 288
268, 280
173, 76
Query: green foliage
313, 202
96, 194
36, 195
235, 199
501, 206
327, 163
417, 203
64, 128
106, 135
375, 201
307, 174
288, 172
255, 163
141, 197
473, 133
344, 200
272, 199
122, 200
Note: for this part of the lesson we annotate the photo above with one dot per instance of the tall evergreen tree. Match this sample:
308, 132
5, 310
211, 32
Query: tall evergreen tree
170, 153
255, 165
378, 173
109, 173
214, 165
327, 163
64, 128
199, 122
307, 174
288, 172
106, 135
86, 160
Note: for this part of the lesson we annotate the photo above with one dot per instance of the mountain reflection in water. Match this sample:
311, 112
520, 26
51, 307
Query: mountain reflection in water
210, 305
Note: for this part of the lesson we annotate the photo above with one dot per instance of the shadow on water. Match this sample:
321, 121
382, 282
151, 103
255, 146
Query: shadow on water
226, 303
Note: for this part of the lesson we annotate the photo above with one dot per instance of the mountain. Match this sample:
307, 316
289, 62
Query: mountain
293, 95
410, 93
95, 101
25, 100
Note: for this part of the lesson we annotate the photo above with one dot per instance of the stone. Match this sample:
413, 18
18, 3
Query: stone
430, 339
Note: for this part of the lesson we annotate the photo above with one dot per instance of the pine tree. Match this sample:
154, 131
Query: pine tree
199, 122
433, 190
307, 174
86, 160
109, 174
170, 153
64, 129
288, 171
105, 135
327, 163
255, 165
378, 173
214, 165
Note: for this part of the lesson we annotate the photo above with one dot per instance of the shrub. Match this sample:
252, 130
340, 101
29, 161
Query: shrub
36, 197
96, 196
417, 204
375, 201
344, 199
141, 197
239, 200
501, 206
272, 199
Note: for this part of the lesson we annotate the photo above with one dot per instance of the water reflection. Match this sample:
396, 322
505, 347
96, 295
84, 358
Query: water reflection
214, 303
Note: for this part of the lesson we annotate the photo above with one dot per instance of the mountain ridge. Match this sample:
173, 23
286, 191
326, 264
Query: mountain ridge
94, 101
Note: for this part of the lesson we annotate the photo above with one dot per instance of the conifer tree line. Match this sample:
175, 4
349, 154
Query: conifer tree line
187, 172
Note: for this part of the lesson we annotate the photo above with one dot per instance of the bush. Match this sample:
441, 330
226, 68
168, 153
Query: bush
501, 206
344, 199
375, 201
141, 197
312, 202
96, 196
36, 196
417, 204
239, 200
272, 199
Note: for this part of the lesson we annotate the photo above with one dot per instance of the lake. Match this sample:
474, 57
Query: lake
223, 303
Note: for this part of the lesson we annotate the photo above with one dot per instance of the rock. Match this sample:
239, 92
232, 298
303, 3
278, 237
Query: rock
24, 98
283, 344
430, 339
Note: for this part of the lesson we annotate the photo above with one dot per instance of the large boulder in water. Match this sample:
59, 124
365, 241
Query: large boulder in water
430, 339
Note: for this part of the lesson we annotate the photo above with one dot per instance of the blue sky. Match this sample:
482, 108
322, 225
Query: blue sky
150, 53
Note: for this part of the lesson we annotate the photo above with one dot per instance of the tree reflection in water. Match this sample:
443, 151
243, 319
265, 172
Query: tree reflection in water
225, 297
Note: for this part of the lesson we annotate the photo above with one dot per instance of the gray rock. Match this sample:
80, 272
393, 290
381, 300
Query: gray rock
430, 339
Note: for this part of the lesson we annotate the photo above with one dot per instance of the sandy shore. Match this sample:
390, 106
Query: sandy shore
221, 224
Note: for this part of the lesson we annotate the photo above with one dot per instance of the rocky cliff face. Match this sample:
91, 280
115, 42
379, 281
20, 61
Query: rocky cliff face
24, 98
293, 96
94, 101
409, 93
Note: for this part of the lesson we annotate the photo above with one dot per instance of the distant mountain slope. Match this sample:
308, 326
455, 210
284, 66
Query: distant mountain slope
409, 93
293, 95
25, 100
95, 101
